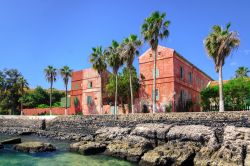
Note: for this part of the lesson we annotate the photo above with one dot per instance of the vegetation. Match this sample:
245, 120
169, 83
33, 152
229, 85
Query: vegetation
219, 44
115, 61
236, 91
242, 72
22, 84
97, 58
50, 75
66, 74
154, 28
123, 85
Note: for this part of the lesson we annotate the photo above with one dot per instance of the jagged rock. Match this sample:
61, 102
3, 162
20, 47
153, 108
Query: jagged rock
33, 147
233, 151
130, 148
12, 141
110, 133
87, 147
171, 153
151, 130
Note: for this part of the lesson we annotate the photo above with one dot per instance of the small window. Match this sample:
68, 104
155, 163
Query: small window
190, 75
157, 96
76, 86
159, 53
182, 96
202, 84
157, 73
89, 100
181, 73
90, 84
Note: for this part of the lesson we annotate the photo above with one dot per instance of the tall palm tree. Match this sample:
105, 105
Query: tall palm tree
115, 61
66, 74
50, 75
242, 72
154, 28
219, 44
22, 83
97, 58
129, 49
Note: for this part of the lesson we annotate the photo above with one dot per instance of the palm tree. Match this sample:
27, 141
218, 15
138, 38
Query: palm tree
115, 61
22, 83
129, 49
97, 59
242, 72
66, 74
50, 75
219, 44
154, 28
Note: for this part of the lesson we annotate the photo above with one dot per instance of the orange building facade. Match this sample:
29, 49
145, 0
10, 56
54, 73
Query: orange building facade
178, 81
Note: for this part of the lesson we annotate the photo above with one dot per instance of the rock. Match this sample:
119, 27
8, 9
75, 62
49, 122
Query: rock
12, 141
151, 130
33, 147
171, 153
130, 148
111, 133
88, 147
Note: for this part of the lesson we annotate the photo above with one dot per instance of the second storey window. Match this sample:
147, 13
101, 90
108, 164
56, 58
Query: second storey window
76, 86
190, 75
181, 73
157, 73
90, 84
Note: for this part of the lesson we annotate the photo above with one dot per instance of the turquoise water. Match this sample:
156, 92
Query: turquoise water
61, 157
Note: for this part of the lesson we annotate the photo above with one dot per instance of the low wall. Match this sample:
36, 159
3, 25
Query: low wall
39, 111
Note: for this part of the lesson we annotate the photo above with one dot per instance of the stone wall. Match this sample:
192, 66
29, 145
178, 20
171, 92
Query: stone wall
39, 111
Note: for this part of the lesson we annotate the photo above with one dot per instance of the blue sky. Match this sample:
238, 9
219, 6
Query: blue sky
37, 33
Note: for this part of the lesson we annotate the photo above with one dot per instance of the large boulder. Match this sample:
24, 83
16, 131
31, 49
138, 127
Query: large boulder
130, 148
88, 147
33, 147
234, 150
111, 133
171, 153
12, 141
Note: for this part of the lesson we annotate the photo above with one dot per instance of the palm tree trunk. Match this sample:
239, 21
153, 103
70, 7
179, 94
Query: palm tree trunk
50, 98
66, 93
131, 91
154, 83
21, 101
101, 104
116, 78
221, 90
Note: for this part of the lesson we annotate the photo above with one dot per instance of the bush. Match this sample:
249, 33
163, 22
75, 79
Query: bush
42, 106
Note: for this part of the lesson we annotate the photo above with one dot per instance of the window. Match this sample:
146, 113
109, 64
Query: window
76, 86
190, 75
157, 96
90, 84
157, 73
89, 100
181, 73
182, 96
202, 84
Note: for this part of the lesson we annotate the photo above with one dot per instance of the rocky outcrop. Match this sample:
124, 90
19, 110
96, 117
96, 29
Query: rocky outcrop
111, 133
88, 147
11, 141
33, 147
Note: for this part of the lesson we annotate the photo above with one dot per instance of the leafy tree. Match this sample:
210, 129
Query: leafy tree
22, 83
219, 44
50, 75
66, 74
154, 28
115, 61
97, 58
242, 72
129, 48
123, 85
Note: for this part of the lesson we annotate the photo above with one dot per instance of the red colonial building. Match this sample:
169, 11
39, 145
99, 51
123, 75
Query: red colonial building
178, 81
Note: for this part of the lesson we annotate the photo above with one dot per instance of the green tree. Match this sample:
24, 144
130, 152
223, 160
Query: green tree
66, 74
97, 58
219, 44
115, 61
22, 83
129, 50
242, 72
154, 28
50, 75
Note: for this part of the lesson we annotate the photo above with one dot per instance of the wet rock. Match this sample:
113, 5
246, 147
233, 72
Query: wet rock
33, 147
88, 147
12, 141
171, 153
130, 148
